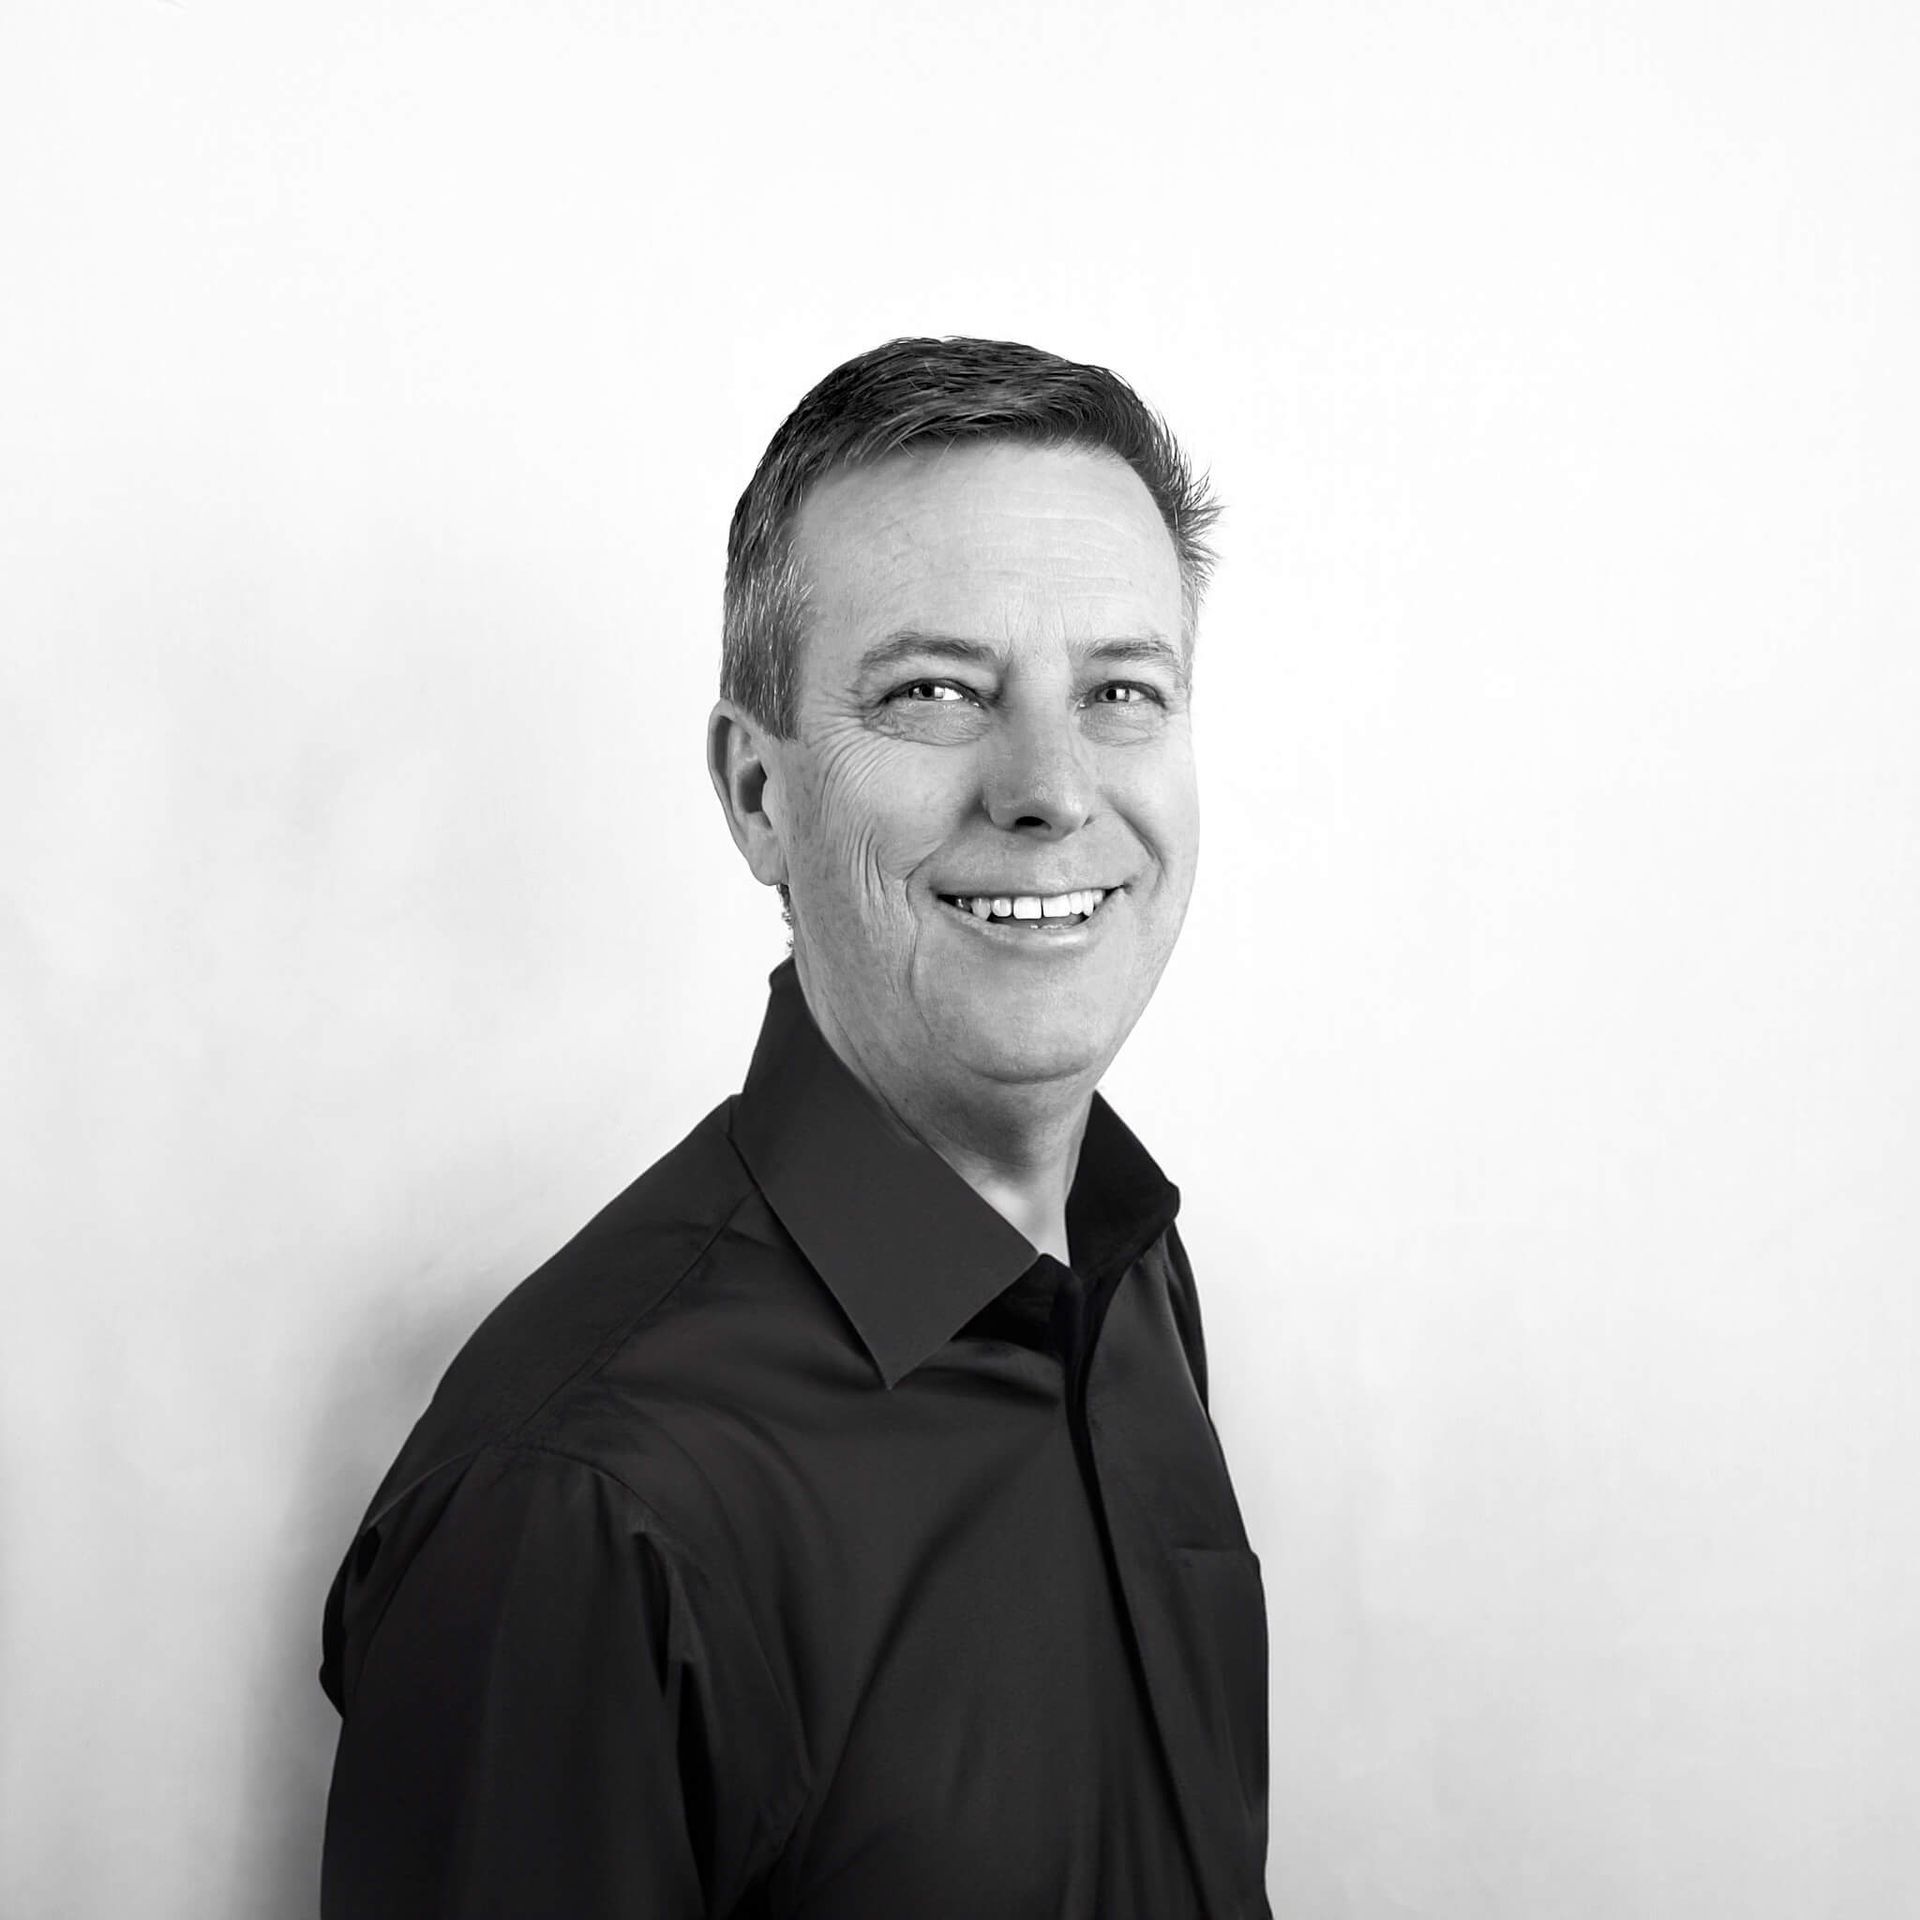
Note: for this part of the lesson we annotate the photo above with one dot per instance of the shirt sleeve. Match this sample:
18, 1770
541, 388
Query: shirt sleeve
530, 1728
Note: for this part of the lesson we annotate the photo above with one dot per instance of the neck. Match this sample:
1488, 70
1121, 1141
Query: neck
1016, 1146
1023, 1171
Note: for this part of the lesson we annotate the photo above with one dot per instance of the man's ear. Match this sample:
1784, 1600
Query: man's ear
739, 764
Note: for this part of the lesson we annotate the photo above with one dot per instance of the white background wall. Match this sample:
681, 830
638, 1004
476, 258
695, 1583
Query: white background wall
1542, 1065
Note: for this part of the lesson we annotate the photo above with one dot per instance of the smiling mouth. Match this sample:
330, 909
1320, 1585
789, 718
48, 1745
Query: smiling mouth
1032, 911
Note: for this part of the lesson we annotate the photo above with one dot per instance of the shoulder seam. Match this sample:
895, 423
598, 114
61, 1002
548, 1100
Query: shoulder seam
594, 1360
615, 1340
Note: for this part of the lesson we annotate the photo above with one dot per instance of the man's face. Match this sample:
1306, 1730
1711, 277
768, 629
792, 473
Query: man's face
993, 708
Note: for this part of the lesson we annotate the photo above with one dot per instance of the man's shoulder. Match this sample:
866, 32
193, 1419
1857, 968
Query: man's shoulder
627, 1266
537, 1372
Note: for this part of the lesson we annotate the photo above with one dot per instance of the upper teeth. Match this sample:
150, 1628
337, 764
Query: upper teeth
1030, 906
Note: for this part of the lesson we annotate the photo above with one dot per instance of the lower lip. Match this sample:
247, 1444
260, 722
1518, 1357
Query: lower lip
1036, 936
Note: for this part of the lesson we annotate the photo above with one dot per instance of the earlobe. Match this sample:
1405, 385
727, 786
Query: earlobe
739, 765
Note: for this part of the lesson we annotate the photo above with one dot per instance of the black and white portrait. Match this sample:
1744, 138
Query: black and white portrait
959, 961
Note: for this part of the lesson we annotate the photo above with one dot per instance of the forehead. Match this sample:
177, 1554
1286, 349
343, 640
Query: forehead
992, 541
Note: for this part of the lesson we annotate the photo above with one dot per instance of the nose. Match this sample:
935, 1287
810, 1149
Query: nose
1038, 778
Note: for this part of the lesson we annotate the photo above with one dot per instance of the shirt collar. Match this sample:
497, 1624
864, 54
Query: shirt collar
908, 1249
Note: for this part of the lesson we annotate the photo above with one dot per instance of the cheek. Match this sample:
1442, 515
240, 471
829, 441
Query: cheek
870, 822
1161, 798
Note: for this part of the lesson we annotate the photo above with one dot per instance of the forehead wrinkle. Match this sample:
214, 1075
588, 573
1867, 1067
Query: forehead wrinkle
1059, 537
907, 591
1089, 554
893, 524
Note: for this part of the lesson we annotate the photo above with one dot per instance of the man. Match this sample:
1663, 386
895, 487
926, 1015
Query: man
835, 1528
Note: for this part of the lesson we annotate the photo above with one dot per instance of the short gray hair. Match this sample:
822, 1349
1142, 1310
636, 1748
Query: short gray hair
928, 393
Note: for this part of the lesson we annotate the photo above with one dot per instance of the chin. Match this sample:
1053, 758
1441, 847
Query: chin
997, 1044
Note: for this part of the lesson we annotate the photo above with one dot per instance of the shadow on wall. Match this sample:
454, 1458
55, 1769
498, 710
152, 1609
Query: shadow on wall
377, 1386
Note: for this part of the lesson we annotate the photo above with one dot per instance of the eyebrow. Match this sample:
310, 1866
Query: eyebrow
909, 644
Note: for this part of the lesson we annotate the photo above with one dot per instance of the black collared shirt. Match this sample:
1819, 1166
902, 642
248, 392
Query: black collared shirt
798, 1542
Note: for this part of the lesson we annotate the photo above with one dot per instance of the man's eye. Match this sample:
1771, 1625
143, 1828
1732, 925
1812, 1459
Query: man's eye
1123, 693
929, 690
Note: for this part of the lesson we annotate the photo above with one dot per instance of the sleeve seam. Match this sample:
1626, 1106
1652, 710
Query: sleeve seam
777, 1816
